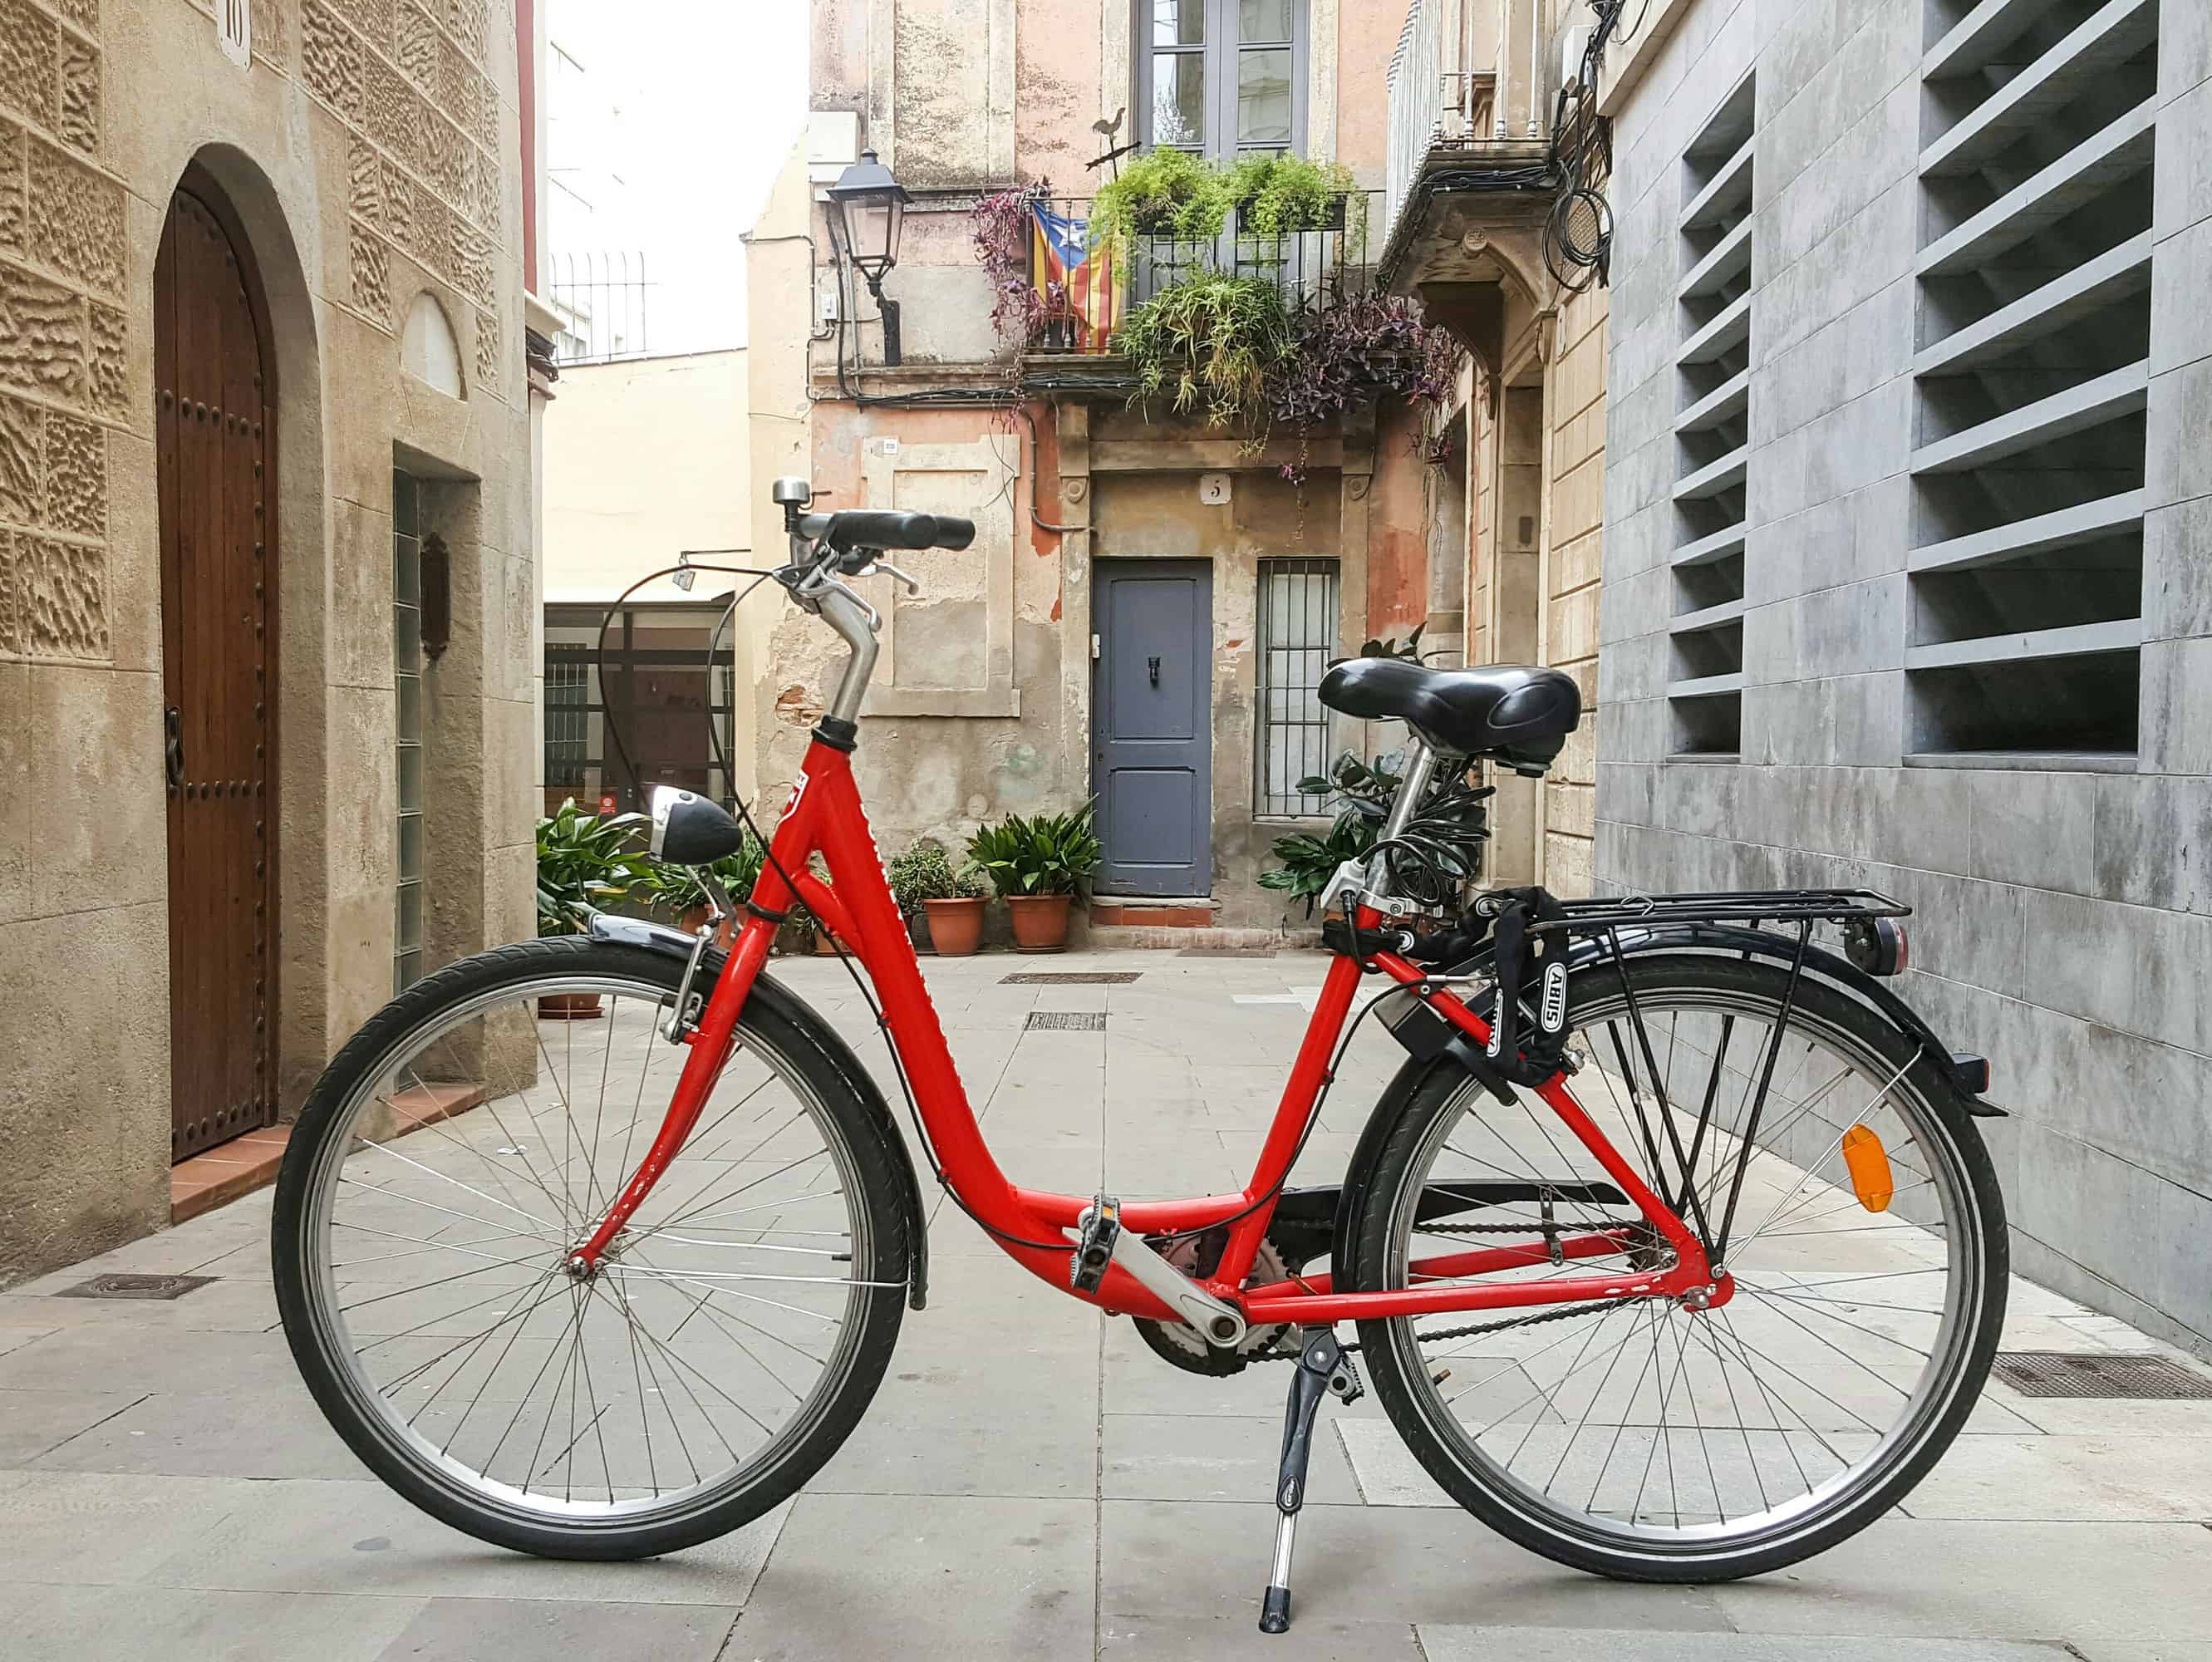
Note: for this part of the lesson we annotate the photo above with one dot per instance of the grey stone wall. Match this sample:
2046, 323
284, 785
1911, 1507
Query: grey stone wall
2064, 895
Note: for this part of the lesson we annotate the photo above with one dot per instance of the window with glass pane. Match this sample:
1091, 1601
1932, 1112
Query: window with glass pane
1298, 634
1222, 76
646, 678
407, 683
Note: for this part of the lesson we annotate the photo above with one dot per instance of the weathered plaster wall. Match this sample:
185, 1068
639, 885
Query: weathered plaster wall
371, 150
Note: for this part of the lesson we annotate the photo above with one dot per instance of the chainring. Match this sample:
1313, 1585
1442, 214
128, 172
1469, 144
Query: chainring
1173, 1342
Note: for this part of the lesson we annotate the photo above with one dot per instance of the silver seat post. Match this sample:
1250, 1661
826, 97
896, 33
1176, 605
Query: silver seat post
1412, 787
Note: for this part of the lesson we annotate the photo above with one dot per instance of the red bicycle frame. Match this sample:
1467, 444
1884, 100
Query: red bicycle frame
825, 817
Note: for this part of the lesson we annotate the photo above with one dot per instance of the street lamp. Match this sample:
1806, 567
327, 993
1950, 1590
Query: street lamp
866, 207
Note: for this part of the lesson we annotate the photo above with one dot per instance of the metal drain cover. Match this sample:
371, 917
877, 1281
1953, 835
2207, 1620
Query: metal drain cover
1066, 1021
1070, 978
121, 1286
2066, 1374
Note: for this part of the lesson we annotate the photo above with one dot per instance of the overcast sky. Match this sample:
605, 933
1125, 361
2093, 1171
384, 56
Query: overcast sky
667, 125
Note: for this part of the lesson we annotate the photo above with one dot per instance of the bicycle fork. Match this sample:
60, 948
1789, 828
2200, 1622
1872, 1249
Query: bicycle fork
1324, 1367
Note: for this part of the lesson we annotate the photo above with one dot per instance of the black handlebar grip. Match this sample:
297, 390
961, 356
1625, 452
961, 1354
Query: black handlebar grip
876, 527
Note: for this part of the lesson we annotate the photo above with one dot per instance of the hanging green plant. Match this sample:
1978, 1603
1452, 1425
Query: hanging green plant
1162, 193
1283, 195
1209, 343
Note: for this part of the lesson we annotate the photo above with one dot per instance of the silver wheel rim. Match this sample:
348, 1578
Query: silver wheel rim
1784, 1424
757, 1265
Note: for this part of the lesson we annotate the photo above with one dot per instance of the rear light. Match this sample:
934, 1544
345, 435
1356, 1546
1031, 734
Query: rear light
1877, 946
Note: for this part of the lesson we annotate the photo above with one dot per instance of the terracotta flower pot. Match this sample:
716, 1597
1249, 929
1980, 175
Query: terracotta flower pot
1040, 921
569, 1006
956, 927
724, 932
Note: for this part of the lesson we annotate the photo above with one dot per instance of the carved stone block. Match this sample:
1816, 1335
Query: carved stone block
371, 264
364, 181
30, 48
41, 335
483, 113
433, 242
76, 475
107, 362
388, 107
466, 19
330, 59
419, 43
66, 616
13, 583
85, 14
398, 204
75, 219
271, 43
472, 262
11, 187
22, 461
78, 120
372, 18
488, 348
483, 189
445, 156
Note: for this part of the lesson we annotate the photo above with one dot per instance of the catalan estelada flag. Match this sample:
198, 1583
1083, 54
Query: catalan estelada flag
1077, 279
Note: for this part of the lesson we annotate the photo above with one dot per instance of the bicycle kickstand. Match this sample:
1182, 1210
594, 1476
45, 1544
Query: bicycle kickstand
1322, 1368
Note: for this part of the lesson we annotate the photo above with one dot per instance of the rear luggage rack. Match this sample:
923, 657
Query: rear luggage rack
1751, 906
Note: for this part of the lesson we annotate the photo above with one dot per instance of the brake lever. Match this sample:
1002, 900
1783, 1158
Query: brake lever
886, 568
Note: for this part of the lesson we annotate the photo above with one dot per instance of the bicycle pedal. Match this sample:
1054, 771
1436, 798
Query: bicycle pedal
1096, 1231
1344, 1381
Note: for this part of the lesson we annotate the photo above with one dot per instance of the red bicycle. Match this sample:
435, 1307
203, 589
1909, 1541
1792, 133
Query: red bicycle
1673, 1249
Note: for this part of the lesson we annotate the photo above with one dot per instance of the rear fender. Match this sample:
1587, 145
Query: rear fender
675, 943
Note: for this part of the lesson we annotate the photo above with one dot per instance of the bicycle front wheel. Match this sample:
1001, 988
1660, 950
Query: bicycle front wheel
467, 1139
1825, 1162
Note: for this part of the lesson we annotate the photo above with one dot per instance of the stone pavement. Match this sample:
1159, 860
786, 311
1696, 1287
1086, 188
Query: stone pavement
1031, 1481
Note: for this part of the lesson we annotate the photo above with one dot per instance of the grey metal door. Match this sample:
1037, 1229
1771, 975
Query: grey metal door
1152, 729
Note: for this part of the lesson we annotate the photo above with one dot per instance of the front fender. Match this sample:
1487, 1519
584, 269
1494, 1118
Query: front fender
675, 943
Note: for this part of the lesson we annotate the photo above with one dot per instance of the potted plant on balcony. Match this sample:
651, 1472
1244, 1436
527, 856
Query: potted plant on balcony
584, 863
1284, 195
1162, 193
1037, 865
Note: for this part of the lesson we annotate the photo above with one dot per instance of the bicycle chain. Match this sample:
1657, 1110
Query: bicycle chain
1468, 1332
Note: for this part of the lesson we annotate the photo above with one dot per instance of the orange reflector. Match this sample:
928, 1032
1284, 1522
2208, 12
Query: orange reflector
1870, 1166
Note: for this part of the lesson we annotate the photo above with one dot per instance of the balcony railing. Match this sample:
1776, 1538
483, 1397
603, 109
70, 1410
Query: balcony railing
1084, 291
1433, 105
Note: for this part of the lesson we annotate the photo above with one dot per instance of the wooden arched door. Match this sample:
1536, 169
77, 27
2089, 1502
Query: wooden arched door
215, 454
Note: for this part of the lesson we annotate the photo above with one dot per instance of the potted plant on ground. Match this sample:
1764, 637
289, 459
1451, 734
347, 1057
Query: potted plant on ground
1037, 865
584, 863
676, 890
925, 886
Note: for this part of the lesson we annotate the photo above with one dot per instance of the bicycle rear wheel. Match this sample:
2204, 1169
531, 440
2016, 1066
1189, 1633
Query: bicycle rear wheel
460, 1146
1647, 1440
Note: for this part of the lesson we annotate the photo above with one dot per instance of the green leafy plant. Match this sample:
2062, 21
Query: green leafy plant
1362, 791
1163, 193
675, 889
584, 864
1044, 854
1388, 647
1209, 342
1282, 195
923, 873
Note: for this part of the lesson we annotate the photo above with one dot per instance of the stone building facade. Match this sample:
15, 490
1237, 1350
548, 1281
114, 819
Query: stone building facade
1907, 559
260, 287
991, 697
1470, 96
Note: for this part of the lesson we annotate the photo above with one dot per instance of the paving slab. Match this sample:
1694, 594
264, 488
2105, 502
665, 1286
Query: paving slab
559, 1630
93, 1622
1442, 1643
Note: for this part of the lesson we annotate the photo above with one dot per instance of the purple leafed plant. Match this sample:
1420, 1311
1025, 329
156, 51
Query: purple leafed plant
1002, 226
1371, 345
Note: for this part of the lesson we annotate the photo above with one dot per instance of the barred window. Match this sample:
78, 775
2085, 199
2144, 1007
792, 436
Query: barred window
1297, 634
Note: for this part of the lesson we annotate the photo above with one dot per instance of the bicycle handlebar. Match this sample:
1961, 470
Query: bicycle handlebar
855, 529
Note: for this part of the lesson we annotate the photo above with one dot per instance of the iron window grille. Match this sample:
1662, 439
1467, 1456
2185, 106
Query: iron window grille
652, 682
1297, 636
